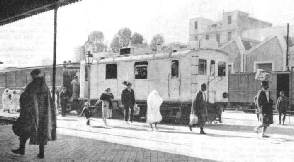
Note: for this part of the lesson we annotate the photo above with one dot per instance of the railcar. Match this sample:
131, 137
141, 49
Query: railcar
176, 76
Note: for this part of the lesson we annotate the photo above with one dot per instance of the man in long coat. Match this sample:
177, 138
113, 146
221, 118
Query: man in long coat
128, 100
199, 108
265, 108
37, 115
64, 98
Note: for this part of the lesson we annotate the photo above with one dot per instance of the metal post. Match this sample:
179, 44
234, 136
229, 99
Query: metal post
54, 53
287, 50
89, 78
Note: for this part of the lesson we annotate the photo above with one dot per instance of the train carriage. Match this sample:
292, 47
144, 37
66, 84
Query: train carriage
18, 78
176, 76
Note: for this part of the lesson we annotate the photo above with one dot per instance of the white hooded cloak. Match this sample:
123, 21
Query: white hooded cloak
153, 110
6, 102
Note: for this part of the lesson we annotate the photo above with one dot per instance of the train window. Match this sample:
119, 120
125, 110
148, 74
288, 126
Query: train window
141, 70
212, 67
28, 78
221, 68
202, 67
111, 71
175, 68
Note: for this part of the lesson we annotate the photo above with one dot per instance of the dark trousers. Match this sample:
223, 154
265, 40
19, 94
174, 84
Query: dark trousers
22, 144
63, 109
126, 108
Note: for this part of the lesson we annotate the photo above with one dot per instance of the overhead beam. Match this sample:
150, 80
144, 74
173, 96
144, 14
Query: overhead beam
6, 18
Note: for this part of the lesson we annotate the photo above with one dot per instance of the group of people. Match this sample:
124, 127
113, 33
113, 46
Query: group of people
264, 104
128, 101
10, 100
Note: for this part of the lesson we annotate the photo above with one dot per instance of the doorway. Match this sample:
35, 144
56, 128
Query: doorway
283, 84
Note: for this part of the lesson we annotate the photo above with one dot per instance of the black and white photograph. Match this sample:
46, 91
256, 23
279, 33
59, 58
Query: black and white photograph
147, 80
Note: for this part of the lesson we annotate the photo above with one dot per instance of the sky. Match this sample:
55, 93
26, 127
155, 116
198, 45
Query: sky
27, 42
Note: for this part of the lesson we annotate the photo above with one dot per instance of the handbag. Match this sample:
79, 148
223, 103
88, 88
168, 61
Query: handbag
193, 119
20, 128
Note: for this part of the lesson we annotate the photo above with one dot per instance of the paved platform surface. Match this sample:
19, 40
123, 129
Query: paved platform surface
72, 148
233, 140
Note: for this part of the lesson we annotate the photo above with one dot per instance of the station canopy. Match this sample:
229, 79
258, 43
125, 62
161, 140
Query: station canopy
14, 10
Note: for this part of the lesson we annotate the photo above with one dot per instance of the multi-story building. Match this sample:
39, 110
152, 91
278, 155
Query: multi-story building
231, 26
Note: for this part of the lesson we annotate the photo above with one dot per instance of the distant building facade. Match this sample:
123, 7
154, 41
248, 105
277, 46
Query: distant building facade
231, 26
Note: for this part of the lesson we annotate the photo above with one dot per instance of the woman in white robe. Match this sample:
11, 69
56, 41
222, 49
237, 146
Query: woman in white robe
15, 100
6, 101
153, 110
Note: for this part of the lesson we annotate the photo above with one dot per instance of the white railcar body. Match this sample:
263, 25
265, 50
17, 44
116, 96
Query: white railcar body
155, 72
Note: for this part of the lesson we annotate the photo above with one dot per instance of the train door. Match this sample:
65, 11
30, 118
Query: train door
283, 84
174, 81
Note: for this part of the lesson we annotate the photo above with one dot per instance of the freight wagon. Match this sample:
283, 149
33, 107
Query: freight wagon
243, 87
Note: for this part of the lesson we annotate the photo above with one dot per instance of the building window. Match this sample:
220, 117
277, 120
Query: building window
221, 68
229, 36
229, 19
141, 70
175, 68
212, 67
195, 25
218, 38
207, 37
264, 66
196, 38
202, 67
111, 71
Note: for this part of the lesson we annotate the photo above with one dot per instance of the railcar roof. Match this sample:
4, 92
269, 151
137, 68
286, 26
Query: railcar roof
155, 56
69, 65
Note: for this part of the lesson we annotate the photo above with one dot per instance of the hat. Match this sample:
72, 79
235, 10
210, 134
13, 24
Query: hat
203, 85
35, 72
264, 83
127, 83
107, 89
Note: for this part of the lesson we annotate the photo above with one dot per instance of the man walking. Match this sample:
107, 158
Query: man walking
37, 119
64, 98
128, 100
282, 105
264, 103
199, 108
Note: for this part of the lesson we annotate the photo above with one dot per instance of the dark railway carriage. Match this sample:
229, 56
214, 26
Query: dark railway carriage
18, 78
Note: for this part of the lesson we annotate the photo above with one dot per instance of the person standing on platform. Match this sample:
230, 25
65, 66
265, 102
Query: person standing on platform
37, 120
282, 105
128, 101
64, 99
153, 110
265, 106
199, 108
